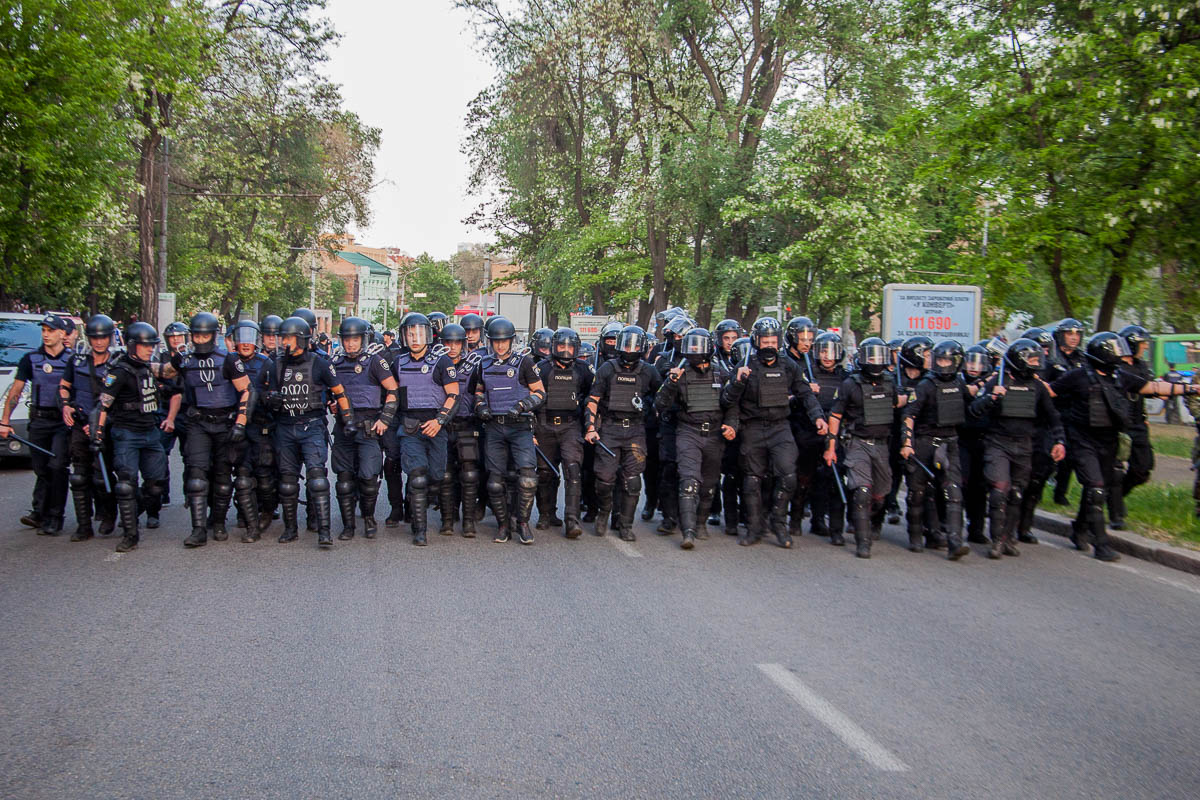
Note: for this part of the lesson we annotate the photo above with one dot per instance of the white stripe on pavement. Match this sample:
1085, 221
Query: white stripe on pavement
624, 546
113, 557
846, 729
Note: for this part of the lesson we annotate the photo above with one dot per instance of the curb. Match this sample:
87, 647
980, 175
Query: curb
1128, 543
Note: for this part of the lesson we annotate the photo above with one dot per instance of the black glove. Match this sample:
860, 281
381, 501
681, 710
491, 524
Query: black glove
483, 412
274, 401
96, 443
238, 434
521, 406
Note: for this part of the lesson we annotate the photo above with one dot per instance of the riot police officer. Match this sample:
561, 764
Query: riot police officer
473, 325
255, 476
1068, 355
296, 382
864, 409
703, 424
174, 401
828, 510
428, 385
725, 334
437, 321
508, 389
937, 406
1136, 470
44, 369
462, 444
765, 388
80, 389
357, 458
126, 414
799, 336
1012, 401
557, 431
662, 467
606, 346
218, 392
539, 343
977, 368
614, 419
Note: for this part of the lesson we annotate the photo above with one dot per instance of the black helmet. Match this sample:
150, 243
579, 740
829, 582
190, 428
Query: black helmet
471, 322
1107, 350
1134, 335
1023, 358
586, 351
298, 327
175, 329
696, 346
501, 329
437, 321
204, 322
766, 326
651, 343
99, 326
741, 349
270, 325
390, 332
727, 325
912, 352
308, 316
540, 342
246, 331
453, 332
416, 322
829, 345
631, 341
568, 338
1068, 325
141, 333
797, 326
946, 349
895, 344
1034, 333
351, 327
611, 330
874, 355
676, 327
978, 359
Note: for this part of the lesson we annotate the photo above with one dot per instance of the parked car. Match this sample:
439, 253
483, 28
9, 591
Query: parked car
19, 334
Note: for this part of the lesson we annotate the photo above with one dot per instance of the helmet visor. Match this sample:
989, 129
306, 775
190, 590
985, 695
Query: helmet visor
976, 362
875, 355
829, 351
417, 335
630, 342
696, 346
245, 335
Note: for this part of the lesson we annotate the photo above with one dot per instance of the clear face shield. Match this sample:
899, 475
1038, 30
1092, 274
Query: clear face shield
874, 355
244, 335
830, 352
976, 363
417, 337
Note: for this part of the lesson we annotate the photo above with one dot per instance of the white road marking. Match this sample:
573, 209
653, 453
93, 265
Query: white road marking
113, 557
624, 546
846, 729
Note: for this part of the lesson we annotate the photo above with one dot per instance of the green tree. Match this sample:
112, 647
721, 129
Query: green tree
434, 279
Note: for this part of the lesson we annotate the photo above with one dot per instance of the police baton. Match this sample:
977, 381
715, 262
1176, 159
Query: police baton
837, 478
604, 447
913, 458
30, 444
1000, 373
104, 471
549, 463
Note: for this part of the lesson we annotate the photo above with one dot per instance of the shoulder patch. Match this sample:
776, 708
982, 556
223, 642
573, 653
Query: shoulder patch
451, 373
238, 366
333, 370
537, 371
110, 379
385, 363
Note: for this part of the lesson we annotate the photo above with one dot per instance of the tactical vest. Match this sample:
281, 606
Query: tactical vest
145, 398
502, 382
255, 370
562, 389
88, 382
463, 371
207, 386
1106, 404
1137, 402
772, 384
418, 390
355, 376
625, 392
950, 407
830, 383
879, 401
1020, 401
47, 375
302, 395
701, 391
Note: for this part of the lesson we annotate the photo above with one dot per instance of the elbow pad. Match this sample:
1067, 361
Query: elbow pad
391, 402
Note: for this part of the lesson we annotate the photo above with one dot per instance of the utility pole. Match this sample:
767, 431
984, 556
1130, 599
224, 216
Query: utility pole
162, 228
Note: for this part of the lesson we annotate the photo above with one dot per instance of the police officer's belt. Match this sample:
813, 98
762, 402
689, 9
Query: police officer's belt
623, 422
512, 419
870, 439
561, 419
212, 414
705, 427
42, 412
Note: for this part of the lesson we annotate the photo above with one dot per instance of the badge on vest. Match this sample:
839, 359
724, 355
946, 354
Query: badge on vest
357, 368
511, 371
46, 368
424, 368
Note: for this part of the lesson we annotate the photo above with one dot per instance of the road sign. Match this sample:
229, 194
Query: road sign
420, 294
588, 325
934, 310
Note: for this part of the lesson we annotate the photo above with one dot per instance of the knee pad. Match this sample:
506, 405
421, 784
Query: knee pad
317, 479
194, 486
953, 493
916, 496
289, 486
527, 478
495, 483
243, 482
368, 486
785, 483
79, 480
997, 497
572, 473
1014, 496
860, 498
123, 488
752, 484
470, 476
418, 480
345, 482
1096, 497
690, 487
633, 485
223, 486
152, 488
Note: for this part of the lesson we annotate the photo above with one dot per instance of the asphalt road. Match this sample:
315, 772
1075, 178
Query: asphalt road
587, 669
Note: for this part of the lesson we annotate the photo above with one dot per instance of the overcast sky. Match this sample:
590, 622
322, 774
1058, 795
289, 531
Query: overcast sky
410, 68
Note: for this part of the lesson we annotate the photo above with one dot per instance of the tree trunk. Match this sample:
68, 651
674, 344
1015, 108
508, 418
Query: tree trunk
1108, 303
533, 304
148, 267
599, 306
1060, 287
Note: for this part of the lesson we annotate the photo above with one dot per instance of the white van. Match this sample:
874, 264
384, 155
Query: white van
19, 334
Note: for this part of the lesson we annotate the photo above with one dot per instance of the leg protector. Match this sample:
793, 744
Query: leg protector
289, 502
527, 485
604, 503
860, 515
368, 494
751, 501
243, 487
418, 497
629, 504
127, 506
81, 494
345, 487
689, 506
470, 499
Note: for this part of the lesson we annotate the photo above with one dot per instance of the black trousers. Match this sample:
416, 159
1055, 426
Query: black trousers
53, 435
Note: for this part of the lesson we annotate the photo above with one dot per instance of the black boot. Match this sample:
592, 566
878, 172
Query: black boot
604, 495
289, 504
418, 499
447, 505
195, 504
527, 485
571, 494
751, 501
862, 544
81, 494
547, 499
860, 513
470, 501
243, 488
126, 497
368, 495
689, 510
317, 487
629, 504
497, 496
222, 497
706, 499
347, 505
395, 493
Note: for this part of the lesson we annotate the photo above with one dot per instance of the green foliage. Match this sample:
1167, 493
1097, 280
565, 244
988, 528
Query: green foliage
436, 280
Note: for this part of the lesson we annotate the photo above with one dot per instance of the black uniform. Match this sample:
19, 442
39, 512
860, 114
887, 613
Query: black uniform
1136, 471
1008, 448
699, 412
258, 464
621, 394
86, 379
559, 436
1058, 366
937, 407
975, 487
462, 479
731, 463
828, 510
867, 409
764, 403
810, 445
662, 464
357, 458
